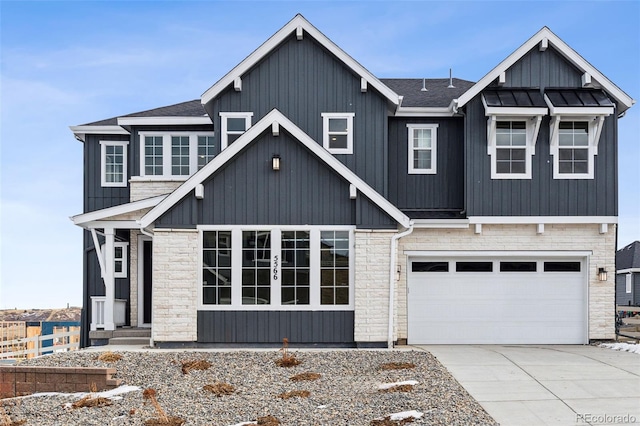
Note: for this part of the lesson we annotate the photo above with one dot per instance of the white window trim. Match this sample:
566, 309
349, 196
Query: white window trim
326, 116
166, 154
125, 249
223, 125
434, 149
276, 234
103, 163
595, 124
627, 283
532, 118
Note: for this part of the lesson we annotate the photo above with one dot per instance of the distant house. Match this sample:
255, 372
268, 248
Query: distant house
628, 275
303, 197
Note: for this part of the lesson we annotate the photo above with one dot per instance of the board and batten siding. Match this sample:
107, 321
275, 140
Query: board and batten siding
327, 327
622, 297
97, 197
305, 191
542, 195
542, 69
443, 190
302, 80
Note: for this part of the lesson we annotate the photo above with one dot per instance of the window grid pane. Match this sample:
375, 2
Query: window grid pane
511, 160
180, 155
114, 164
153, 155
295, 268
206, 150
216, 264
334, 267
256, 262
422, 149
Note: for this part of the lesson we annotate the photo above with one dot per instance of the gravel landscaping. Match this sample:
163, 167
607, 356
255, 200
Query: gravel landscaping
244, 386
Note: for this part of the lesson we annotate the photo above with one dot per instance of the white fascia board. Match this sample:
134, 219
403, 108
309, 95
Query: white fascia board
441, 223
81, 131
623, 99
515, 111
249, 136
85, 218
115, 224
424, 112
580, 111
153, 121
508, 220
279, 37
494, 253
628, 271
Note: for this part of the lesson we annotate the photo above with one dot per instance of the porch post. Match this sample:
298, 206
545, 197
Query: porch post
109, 279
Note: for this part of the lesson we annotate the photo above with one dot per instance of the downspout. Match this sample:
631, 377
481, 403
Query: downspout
392, 279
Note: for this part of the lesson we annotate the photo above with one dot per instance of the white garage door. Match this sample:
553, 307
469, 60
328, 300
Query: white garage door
497, 301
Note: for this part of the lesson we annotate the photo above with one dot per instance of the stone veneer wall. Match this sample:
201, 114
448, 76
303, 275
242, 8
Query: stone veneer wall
372, 255
175, 285
141, 189
583, 237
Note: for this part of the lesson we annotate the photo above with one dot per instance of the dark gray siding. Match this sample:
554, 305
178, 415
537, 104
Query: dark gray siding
95, 196
543, 69
134, 151
542, 195
622, 297
273, 326
247, 191
444, 190
303, 80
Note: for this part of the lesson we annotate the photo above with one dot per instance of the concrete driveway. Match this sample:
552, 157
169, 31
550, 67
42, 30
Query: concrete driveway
547, 385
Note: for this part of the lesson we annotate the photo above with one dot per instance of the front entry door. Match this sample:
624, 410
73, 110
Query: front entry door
145, 281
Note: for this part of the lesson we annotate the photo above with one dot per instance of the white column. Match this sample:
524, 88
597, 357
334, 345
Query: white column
109, 280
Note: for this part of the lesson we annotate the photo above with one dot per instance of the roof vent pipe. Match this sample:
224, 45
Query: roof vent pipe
451, 86
424, 85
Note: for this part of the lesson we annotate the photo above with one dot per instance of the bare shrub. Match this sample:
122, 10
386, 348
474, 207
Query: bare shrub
219, 389
305, 377
388, 422
398, 388
92, 400
397, 366
109, 357
5, 420
163, 420
287, 360
268, 421
201, 364
295, 394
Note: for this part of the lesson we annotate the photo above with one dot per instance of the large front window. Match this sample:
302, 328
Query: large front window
175, 155
286, 268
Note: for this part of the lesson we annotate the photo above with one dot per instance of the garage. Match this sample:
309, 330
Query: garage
497, 300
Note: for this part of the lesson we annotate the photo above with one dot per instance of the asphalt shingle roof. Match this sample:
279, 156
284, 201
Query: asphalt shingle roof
192, 108
438, 94
629, 256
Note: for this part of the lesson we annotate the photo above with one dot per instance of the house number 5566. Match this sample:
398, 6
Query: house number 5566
275, 267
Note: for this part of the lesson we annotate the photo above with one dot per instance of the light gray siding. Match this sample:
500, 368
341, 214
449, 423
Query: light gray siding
248, 191
622, 297
444, 190
327, 327
303, 80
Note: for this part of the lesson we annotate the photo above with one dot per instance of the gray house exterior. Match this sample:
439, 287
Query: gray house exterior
628, 275
303, 197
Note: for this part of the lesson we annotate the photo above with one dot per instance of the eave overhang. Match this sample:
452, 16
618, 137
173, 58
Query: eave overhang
90, 219
299, 25
160, 121
80, 132
275, 121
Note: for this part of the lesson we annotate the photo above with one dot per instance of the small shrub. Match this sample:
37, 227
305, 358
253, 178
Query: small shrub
163, 420
287, 360
268, 421
219, 389
295, 394
201, 364
91, 401
109, 357
397, 366
305, 376
398, 388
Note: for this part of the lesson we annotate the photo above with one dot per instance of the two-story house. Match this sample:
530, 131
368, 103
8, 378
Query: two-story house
303, 197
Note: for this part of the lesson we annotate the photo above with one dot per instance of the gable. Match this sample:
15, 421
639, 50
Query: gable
543, 69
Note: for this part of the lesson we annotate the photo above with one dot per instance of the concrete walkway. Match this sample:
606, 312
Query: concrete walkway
547, 385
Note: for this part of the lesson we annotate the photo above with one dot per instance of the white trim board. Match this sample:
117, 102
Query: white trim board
625, 101
249, 136
508, 220
494, 253
86, 218
628, 271
299, 25
152, 121
81, 131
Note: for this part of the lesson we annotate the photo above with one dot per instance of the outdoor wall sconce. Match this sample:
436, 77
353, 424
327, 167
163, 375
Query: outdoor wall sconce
275, 162
602, 274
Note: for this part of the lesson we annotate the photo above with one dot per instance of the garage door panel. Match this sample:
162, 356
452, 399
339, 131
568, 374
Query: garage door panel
497, 307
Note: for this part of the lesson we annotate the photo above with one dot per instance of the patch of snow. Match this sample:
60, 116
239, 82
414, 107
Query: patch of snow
245, 424
111, 394
391, 385
624, 347
405, 415
321, 406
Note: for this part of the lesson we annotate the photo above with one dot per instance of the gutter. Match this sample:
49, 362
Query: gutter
392, 279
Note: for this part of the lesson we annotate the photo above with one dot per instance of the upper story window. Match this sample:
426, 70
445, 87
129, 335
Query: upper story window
113, 163
174, 155
511, 143
232, 126
337, 132
422, 142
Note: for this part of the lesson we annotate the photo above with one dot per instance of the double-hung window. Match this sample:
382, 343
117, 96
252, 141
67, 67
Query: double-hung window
511, 147
422, 144
113, 164
232, 126
277, 268
175, 155
337, 132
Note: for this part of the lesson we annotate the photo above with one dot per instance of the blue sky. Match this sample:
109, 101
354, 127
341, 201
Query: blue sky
69, 63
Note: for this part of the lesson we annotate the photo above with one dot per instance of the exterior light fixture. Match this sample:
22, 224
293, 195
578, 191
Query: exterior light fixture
275, 162
602, 274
